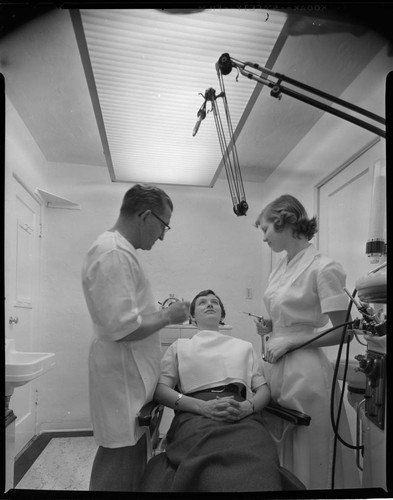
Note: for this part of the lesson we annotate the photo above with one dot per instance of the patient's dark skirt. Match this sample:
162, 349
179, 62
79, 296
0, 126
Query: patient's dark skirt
203, 455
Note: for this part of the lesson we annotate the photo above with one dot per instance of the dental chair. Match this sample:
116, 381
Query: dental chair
150, 416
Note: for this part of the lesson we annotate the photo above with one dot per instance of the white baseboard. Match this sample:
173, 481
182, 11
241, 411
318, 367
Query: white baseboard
64, 427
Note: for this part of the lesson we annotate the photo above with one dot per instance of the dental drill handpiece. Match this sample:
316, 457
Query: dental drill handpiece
362, 308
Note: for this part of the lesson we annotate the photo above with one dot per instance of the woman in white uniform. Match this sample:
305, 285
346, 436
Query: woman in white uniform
304, 291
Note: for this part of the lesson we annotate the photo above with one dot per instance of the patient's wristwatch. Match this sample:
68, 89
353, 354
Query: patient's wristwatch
179, 396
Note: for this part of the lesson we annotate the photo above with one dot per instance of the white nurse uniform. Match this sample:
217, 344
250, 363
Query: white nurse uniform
298, 296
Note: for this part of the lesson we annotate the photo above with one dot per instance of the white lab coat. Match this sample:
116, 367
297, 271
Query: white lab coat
122, 375
298, 296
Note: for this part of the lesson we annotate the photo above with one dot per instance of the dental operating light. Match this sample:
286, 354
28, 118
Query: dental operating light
225, 64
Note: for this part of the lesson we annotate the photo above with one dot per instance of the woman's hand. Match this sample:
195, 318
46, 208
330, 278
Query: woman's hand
275, 348
226, 409
217, 409
264, 326
242, 409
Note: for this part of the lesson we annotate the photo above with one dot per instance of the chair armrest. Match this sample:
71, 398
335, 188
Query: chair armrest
293, 416
148, 412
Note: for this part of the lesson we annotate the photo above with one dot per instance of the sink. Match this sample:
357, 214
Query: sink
354, 378
23, 367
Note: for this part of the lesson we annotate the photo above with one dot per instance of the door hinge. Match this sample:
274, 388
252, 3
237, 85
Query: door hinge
40, 233
36, 397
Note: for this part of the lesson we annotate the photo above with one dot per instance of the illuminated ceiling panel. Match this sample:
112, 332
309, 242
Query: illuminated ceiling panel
145, 70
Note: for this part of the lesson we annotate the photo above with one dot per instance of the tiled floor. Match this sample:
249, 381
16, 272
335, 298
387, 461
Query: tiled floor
64, 464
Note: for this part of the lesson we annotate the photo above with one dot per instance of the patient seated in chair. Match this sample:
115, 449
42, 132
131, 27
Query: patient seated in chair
217, 440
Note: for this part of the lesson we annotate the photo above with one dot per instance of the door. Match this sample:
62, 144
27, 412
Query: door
22, 271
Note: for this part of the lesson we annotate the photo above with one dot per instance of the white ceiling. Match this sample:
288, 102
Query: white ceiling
47, 84
149, 67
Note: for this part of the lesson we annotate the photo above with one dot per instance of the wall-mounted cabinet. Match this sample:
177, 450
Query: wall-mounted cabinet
55, 201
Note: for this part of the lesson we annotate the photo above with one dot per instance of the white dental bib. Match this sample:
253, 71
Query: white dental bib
211, 358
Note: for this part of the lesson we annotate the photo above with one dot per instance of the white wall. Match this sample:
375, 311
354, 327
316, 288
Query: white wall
22, 155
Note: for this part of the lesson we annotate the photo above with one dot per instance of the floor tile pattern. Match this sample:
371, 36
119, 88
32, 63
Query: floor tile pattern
64, 464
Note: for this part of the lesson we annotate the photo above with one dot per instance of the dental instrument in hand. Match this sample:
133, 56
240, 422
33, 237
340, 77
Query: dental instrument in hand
364, 309
261, 319
373, 323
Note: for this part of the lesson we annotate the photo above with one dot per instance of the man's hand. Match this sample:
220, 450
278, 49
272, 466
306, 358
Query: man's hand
178, 312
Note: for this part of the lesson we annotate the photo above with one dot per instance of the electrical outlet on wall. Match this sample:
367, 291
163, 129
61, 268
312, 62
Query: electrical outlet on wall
249, 293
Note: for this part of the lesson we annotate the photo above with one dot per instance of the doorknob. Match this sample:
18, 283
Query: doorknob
13, 320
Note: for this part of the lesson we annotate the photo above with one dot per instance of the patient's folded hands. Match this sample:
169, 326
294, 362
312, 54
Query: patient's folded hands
239, 410
226, 409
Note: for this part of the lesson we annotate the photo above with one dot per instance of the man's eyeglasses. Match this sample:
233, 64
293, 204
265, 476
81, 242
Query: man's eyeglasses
167, 227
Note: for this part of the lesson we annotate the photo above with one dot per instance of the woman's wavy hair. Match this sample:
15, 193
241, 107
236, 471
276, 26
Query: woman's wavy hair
286, 210
203, 293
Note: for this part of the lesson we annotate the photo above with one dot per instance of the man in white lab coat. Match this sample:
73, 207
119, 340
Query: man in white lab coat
124, 357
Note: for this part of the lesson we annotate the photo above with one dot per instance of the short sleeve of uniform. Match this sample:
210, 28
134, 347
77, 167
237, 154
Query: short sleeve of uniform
169, 367
112, 282
331, 283
258, 378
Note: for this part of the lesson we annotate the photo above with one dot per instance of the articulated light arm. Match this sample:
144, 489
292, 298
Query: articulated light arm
225, 64
229, 154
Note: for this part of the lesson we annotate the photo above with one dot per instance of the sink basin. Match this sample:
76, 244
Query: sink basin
354, 378
23, 367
